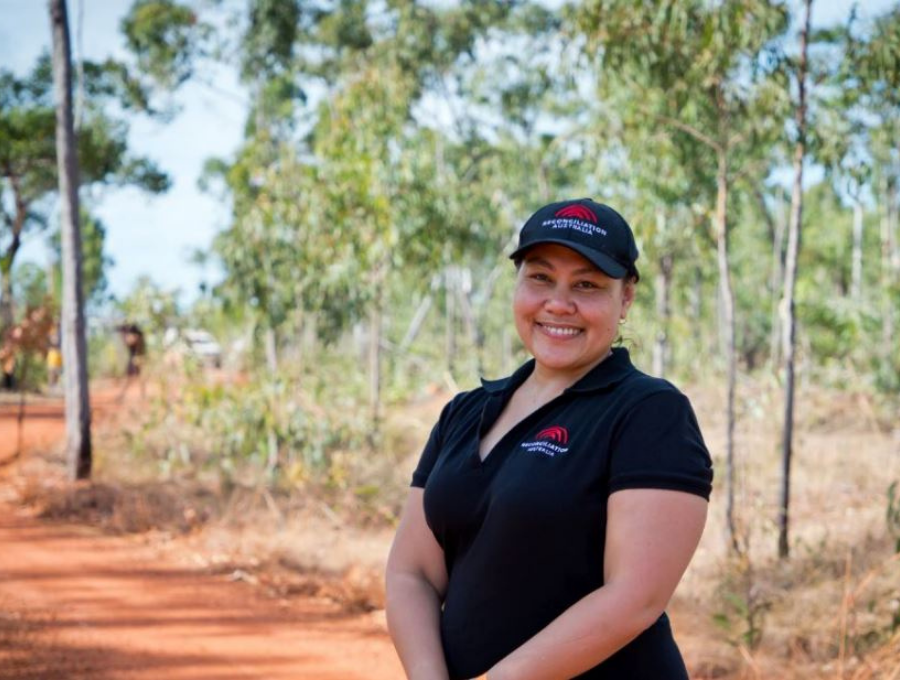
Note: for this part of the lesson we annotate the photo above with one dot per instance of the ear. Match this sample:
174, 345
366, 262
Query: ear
628, 288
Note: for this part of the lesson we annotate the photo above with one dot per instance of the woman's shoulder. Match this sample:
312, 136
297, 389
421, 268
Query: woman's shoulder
463, 402
644, 384
643, 391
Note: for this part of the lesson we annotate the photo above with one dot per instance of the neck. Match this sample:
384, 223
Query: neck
548, 381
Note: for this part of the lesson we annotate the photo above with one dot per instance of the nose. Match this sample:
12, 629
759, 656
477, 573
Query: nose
560, 302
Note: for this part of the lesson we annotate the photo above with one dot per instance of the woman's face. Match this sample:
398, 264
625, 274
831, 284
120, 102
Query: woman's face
566, 310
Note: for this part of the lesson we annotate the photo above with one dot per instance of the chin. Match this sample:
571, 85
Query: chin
564, 363
557, 362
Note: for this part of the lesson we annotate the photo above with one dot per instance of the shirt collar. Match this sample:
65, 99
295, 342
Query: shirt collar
608, 372
511, 382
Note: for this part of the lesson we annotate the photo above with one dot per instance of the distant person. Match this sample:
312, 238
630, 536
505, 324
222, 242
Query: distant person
136, 348
554, 511
8, 362
30, 336
54, 365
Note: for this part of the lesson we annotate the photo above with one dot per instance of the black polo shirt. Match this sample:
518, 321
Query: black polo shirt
523, 531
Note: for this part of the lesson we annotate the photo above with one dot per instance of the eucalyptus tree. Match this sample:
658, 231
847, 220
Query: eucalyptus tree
28, 171
340, 188
523, 140
699, 68
74, 345
873, 69
166, 39
795, 224
654, 174
388, 179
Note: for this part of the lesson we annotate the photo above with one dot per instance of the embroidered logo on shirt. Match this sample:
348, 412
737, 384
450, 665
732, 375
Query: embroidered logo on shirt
550, 441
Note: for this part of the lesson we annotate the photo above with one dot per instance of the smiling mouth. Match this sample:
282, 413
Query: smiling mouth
559, 331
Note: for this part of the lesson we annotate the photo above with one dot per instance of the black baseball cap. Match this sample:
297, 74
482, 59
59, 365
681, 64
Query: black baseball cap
594, 230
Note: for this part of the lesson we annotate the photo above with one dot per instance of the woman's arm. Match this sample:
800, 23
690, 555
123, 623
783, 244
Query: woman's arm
416, 580
650, 537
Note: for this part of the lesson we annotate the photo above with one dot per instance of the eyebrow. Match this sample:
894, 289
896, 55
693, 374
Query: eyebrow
546, 263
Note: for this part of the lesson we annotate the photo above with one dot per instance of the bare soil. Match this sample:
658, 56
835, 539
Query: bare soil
106, 581
78, 603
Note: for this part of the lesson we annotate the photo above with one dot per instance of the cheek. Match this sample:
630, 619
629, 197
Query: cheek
524, 307
606, 320
519, 304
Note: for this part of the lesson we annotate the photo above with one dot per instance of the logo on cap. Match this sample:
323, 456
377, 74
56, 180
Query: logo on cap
579, 212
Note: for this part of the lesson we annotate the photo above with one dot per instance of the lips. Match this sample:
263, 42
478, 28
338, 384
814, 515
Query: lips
556, 331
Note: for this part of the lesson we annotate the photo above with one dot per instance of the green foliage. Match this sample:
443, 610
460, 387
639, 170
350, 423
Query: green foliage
164, 36
270, 38
363, 195
226, 429
94, 262
30, 282
151, 307
742, 605
28, 158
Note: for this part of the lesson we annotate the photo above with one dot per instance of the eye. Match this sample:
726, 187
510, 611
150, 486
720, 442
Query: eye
587, 285
538, 276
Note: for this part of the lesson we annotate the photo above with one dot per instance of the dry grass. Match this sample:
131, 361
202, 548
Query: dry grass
292, 546
825, 613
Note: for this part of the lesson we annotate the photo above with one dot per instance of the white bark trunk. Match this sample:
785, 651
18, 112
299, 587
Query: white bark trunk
74, 346
777, 280
856, 272
789, 332
450, 317
888, 273
727, 333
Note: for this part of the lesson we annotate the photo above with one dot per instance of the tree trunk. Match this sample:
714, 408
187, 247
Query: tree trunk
415, 325
662, 285
856, 275
7, 310
6, 306
777, 281
450, 281
376, 325
467, 315
705, 346
270, 340
484, 296
78, 410
664, 314
272, 449
888, 273
727, 333
790, 280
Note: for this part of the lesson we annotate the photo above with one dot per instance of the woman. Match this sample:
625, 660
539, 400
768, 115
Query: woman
553, 512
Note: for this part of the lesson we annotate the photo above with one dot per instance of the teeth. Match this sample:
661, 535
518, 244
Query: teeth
560, 330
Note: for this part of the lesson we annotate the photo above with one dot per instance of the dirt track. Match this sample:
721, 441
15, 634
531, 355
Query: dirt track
78, 604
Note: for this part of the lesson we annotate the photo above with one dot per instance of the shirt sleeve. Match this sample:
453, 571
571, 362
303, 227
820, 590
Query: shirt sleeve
432, 448
659, 446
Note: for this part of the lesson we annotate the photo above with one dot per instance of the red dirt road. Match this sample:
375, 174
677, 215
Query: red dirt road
78, 604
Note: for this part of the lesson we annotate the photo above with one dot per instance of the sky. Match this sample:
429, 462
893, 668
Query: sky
146, 235
155, 235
